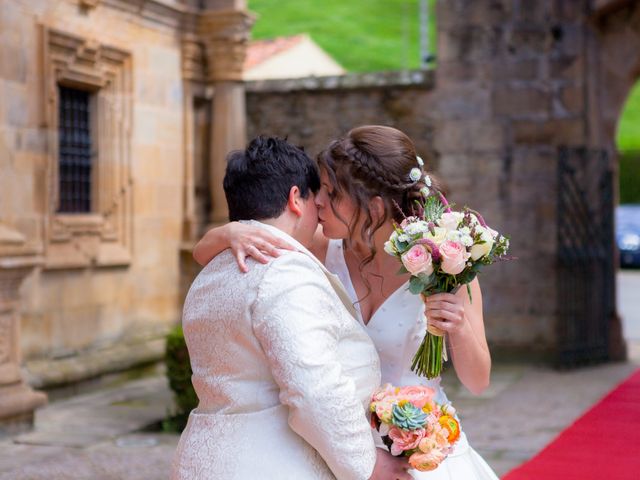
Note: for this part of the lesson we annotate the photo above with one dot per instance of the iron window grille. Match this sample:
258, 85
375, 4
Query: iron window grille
75, 151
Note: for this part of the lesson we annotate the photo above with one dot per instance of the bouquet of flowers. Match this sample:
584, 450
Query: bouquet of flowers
413, 425
442, 249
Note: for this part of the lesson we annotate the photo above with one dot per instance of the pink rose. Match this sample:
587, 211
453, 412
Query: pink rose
454, 257
405, 439
418, 260
417, 395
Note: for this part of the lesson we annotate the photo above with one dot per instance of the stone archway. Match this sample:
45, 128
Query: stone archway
617, 25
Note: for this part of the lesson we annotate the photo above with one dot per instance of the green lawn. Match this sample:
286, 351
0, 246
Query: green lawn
362, 35
628, 135
628, 143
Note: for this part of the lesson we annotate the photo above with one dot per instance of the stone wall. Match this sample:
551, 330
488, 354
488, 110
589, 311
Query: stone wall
511, 88
313, 111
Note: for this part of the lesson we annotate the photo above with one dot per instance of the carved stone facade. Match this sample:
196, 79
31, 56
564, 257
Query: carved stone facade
108, 279
103, 237
17, 399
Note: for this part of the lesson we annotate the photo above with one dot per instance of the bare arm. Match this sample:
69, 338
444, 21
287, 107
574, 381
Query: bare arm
244, 240
462, 319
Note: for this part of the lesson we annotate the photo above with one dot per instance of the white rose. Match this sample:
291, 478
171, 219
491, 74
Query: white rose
438, 236
450, 220
479, 250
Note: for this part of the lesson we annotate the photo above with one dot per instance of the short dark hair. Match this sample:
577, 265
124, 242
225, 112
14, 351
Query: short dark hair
258, 179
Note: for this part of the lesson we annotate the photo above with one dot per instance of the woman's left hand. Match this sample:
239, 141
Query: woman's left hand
445, 311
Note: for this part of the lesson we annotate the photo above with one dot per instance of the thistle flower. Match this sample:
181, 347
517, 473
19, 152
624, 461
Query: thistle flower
433, 248
444, 202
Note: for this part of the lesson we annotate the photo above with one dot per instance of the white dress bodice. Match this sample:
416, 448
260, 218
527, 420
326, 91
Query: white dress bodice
396, 328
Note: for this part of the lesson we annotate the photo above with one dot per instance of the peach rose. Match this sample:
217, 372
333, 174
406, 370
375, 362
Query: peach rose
454, 257
418, 260
417, 395
405, 439
437, 438
425, 462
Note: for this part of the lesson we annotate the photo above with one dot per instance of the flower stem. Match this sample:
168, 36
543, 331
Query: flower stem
427, 361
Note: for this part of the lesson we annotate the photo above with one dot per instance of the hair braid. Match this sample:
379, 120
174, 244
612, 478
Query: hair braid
368, 169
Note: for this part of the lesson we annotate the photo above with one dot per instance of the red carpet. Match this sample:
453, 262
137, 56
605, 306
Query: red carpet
603, 444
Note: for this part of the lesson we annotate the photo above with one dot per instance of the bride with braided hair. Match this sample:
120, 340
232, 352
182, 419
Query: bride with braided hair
367, 185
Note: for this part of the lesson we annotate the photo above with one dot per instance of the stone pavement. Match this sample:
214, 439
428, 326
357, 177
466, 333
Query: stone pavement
96, 435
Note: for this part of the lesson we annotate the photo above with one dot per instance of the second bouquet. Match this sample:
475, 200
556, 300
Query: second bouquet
443, 250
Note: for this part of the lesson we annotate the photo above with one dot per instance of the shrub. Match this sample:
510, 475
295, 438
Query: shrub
179, 376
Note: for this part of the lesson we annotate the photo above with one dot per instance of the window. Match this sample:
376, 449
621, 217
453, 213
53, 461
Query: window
75, 155
87, 112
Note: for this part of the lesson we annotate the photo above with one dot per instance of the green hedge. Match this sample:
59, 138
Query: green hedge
630, 177
179, 376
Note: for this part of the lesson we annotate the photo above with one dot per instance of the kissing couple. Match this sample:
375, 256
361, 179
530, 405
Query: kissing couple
298, 316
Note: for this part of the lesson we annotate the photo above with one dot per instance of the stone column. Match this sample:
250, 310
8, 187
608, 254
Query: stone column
225, 35
192, 72
17, 400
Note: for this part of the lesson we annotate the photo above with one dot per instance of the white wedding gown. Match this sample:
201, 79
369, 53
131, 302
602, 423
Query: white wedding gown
397, 328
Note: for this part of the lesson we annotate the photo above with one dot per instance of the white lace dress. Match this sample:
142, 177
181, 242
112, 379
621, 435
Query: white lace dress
397, 328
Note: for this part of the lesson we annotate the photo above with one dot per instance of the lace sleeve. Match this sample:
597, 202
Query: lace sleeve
297, 321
